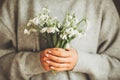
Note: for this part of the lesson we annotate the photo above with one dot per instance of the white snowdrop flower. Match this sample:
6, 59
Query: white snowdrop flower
76, 20
29, 23
33, 30
43, 17
70, 17
59, 25
42, 23
35, 21
69, 30
56, 29
73, 33
52, 30
70, 35
46, 10
26, 31
63, 36
67, 24
79, 35
43, 30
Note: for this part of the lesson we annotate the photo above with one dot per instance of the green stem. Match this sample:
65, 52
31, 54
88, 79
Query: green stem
58, 44
48, 40
64, 44
54, 72
51, 40
54, 39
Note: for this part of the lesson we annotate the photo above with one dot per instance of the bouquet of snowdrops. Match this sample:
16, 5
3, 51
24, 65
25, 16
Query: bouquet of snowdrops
57, 34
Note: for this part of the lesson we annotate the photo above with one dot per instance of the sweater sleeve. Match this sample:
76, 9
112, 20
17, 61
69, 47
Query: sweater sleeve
105, 64
14, 65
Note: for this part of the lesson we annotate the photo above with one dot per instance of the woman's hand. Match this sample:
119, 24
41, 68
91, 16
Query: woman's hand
43, 60
59, 59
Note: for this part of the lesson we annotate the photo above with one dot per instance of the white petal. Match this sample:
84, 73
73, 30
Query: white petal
33, 30
26, 31
36, 21
29, 23
45, 9
63, 36
43, 30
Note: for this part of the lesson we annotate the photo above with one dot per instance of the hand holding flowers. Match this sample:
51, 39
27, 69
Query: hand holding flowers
59, 59
58, 35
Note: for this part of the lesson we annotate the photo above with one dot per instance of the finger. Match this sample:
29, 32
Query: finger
59, 53
58, 49
68, 49
59, 65
45, 59
45, 65
57, 59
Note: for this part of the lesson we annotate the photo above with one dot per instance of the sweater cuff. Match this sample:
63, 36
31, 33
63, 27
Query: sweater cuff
35, 65
88, 62
93, 64
82, 64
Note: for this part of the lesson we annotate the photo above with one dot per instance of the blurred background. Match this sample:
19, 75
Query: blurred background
117, 4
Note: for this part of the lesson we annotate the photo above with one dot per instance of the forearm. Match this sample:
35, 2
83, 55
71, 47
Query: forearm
26, 64
98, 67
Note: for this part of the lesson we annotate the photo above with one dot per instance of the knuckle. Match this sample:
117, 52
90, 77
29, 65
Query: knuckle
59, 54
44, 58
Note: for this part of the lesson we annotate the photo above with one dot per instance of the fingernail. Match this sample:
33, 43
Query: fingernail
48, 61
49, 51
51, 67
46, 55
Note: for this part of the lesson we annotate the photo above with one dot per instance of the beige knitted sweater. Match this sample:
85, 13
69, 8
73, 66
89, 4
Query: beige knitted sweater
99, 50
